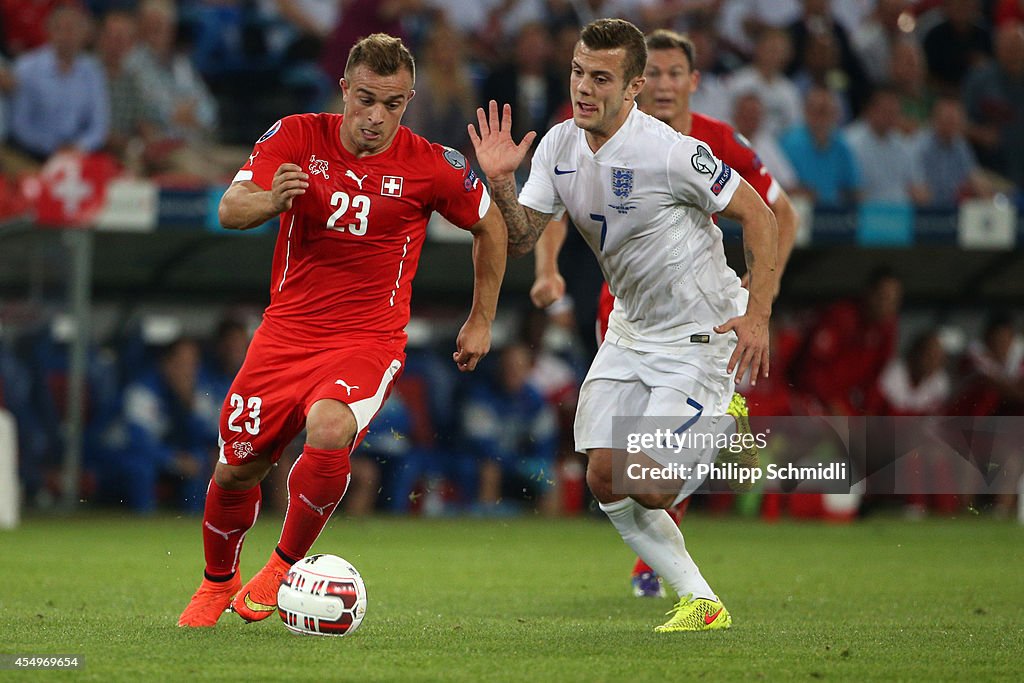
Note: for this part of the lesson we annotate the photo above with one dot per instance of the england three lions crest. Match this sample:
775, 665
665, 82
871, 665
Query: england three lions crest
622, 182
622, 186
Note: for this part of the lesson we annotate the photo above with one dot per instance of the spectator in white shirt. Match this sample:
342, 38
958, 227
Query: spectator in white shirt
875, 38
747, 119
890, 170
782, 103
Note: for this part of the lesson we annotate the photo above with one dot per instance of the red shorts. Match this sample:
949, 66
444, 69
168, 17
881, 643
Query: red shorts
279, 381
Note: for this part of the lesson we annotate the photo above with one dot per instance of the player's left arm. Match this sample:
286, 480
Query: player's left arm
760, 250
548, 283
742, 157
490, 240
787, 220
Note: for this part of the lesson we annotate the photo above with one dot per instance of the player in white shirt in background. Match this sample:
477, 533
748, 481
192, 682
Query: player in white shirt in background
683, 328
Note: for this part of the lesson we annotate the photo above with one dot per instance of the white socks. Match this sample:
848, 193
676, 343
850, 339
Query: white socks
657, 540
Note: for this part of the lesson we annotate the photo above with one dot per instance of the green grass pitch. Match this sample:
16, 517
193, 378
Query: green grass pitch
534, 600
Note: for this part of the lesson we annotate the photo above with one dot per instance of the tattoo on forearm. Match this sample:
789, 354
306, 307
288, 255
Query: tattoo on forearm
524, 225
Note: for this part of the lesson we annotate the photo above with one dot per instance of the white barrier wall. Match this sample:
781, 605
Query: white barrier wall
9, 507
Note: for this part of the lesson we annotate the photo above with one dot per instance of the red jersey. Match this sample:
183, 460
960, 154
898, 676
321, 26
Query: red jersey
844, 356
24, 23
348, 249
735, 151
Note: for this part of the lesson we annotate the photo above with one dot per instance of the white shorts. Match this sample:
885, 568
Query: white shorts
623, 382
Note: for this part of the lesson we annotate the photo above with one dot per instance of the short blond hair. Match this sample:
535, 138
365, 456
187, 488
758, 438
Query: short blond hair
384, 55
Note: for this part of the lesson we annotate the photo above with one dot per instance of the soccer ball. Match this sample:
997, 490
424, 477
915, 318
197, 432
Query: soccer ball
322, 595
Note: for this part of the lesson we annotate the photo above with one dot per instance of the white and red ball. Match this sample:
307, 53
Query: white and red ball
322, 595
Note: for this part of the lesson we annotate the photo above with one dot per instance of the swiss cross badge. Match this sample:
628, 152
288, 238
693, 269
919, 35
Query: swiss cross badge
391, 186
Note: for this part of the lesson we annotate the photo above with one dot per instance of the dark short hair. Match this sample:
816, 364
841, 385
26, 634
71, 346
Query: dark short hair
229, 326
384, 55
882, 90
168, 350
664, 39
880, 274
921, 341
610, 34
998, 320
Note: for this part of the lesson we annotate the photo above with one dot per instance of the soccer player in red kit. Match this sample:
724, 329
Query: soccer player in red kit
671, 79
354, 193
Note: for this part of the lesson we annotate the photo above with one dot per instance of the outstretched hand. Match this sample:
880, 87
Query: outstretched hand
496, 152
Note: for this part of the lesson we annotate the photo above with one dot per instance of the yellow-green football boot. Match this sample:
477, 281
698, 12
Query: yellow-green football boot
702, 614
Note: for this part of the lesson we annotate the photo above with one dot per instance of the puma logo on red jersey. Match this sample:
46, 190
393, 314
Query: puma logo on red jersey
353, 176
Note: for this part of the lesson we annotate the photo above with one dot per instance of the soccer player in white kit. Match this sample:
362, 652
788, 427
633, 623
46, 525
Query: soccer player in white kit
683, 329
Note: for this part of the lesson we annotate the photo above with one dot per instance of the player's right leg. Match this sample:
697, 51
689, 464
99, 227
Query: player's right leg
645, 581
260, 414
622, 383
655, 536
232, 505
646, 528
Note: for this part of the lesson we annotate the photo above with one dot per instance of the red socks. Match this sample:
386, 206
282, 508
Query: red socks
226, 519
679, 511
316, 484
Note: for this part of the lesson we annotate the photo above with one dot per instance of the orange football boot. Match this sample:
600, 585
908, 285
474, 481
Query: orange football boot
209, 602
258, 599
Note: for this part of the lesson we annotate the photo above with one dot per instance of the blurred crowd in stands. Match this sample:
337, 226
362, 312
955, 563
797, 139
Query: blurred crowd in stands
846, 101
498, 441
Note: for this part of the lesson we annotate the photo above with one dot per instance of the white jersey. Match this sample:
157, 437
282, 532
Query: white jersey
643, 203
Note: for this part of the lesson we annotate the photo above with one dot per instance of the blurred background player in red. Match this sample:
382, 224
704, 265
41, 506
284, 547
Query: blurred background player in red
993, 372
992, 383
671, 80
354, 193
849, 346
917, 384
